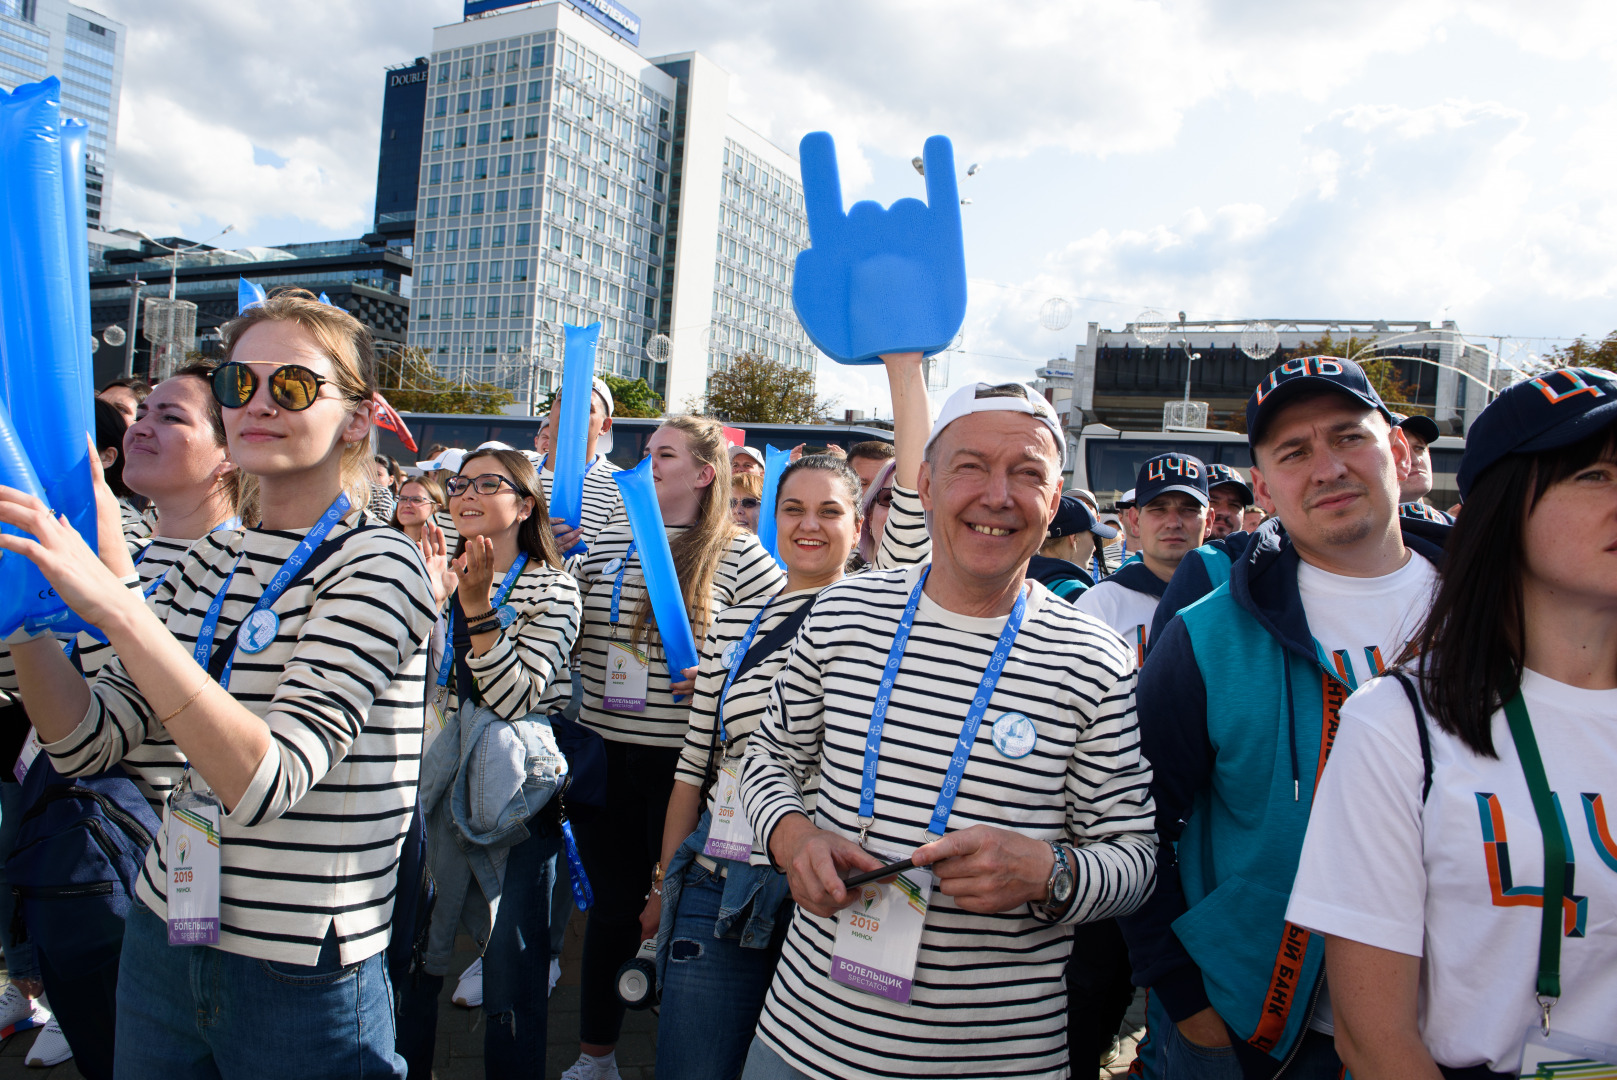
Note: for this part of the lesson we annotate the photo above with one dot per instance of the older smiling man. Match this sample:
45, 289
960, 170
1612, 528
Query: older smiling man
963, 717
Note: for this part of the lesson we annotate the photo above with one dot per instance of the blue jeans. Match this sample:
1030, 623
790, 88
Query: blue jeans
516, 973
713, 988
764, 1064
20, 960
1168, 1055
190, 1011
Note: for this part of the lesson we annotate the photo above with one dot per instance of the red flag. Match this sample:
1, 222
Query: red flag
735, 436
389, 418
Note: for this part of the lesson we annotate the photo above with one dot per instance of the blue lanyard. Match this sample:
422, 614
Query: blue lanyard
968, 730
617, 585
228, 523
509, 580
735, 667
283, 577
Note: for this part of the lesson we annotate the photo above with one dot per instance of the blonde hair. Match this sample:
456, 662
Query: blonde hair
699, 549
434, 490
748, 484
348, 343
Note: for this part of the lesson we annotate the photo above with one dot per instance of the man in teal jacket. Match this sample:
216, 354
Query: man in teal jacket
1320, 600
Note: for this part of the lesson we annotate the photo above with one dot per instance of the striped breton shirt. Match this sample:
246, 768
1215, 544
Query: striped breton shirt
989, 996
905, 541
603, 501
526, 671
315, 840
446, 521
745, 572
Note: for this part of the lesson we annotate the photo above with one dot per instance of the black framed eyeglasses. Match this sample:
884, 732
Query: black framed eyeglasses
292, 386
486, 484
414, 500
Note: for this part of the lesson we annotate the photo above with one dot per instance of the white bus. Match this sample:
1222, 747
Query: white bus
1108, 460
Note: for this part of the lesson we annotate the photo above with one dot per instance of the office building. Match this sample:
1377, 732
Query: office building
1121, 382
85, 49
565, 177
398, 164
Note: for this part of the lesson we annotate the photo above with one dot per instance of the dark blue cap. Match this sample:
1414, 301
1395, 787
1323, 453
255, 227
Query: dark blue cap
1546, 412
1421, 426
1303, 374
1074, 516
1223, 474
1171, 472
1419, 511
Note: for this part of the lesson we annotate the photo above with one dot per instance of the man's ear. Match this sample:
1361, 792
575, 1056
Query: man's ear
923, 485
1403, 456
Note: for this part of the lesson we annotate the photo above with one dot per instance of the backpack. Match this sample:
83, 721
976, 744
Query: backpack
80, 847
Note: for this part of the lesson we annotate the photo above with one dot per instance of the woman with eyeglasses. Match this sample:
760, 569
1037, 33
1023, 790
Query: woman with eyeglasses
746, 498
419, 500
281, 667
641, 720
711, 997
513, 618
1460, 859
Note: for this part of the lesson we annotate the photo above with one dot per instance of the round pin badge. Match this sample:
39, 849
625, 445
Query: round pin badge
612, 567
732, 652
507, 614
1014, 735
259, 630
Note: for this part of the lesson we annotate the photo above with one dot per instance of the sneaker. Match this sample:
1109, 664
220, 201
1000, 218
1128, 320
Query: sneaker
469, 991
50, 1048
586, 1068
555, 975
19, 1012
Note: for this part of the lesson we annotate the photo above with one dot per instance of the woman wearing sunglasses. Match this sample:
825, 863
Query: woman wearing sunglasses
711, 996
643, 725
746, 498
281, 666
513, 621
1459, 857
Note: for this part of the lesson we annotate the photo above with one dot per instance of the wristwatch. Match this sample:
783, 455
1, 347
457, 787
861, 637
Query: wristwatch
1058, 889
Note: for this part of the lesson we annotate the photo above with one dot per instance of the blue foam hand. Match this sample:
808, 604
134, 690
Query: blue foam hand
572, 426
247, 294
657, 567
775, 462
877, 281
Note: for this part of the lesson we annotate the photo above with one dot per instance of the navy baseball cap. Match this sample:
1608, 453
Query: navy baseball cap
1422, 427
1171, 472
1223, 474
1546, 412
1074, 516
1301, 375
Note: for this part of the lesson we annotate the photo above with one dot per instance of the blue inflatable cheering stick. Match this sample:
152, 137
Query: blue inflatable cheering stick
573, 427
247, 294
15, 472
657, 567
875, 281
775, 462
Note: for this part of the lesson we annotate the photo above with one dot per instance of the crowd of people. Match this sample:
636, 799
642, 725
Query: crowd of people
964, 762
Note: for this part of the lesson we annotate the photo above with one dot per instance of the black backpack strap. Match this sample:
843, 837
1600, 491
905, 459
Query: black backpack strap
1420, 727
226, 646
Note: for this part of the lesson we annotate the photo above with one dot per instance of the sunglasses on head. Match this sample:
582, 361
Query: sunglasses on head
292, 386
486, 484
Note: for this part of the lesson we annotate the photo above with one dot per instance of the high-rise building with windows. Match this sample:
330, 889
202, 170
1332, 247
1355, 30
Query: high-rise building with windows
567, 178
85, 49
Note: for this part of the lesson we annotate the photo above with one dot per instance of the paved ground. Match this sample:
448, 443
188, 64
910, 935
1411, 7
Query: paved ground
460, 1033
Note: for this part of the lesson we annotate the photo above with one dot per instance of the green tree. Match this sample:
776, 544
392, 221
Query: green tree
1382, 371
411, 383
1585, 353
757, 390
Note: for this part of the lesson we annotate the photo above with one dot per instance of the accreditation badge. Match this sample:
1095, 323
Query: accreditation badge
1566, 1055
30, 750
879, 935
730, 834
627, 672
437, 716
192, 859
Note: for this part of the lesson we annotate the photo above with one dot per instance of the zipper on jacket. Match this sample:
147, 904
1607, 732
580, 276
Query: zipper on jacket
1313, 1003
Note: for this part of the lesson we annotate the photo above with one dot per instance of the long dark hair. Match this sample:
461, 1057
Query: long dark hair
1470, 650
533, 535
109, 435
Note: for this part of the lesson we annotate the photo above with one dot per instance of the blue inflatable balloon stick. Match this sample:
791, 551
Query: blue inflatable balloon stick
43, 343
775, 462
247, 294
657, 567
74, 135
16, 472
876, 280
572, 432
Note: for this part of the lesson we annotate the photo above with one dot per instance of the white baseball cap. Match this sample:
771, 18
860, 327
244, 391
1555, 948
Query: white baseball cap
751, 451
1004, 397
449, 460
605, 392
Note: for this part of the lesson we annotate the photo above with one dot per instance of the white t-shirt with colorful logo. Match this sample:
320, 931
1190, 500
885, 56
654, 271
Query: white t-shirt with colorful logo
1458, 879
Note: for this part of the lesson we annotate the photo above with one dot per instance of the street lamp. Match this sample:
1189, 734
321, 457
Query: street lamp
171, 322
176, 252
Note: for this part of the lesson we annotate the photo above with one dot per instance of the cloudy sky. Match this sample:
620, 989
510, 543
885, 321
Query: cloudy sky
1400, 159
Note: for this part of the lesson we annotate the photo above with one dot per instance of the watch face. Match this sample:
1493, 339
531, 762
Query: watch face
1061, 888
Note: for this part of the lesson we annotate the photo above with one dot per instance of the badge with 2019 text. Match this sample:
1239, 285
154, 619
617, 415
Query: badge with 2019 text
879, 935
192, 858
729, 835
627, 674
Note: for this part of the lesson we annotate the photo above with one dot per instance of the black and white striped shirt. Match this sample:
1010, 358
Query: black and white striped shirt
315, 840
603, 501
745, 572
526, 670
989, 996
904, 541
